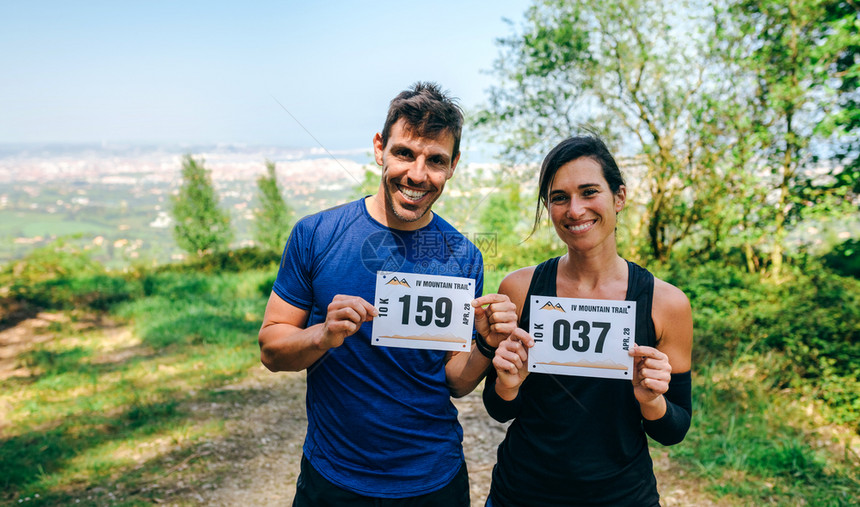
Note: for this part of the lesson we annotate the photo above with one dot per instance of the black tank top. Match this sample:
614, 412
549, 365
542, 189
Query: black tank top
578, 440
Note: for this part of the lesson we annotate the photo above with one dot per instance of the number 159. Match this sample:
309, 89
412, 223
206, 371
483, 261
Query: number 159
424, 310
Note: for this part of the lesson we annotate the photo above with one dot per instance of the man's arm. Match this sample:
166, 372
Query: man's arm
287, 345
494, 323
511, 357
464, 371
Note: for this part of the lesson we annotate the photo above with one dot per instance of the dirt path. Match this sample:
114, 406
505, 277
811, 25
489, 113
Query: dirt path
272, 420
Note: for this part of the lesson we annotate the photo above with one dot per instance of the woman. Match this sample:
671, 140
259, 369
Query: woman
581, 440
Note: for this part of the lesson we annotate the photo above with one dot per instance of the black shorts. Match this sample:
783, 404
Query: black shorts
314, 490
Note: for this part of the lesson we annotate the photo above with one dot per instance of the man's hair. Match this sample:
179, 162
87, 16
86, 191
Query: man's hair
571, 149
428, 112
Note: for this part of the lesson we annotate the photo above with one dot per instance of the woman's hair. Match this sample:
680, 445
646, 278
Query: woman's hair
571, 149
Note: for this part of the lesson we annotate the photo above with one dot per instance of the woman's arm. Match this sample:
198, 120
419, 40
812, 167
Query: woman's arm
662, 374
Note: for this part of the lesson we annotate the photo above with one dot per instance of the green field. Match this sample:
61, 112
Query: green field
116, 213
31, 224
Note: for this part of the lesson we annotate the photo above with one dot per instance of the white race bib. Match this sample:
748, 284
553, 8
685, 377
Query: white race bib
582, 337
423, 311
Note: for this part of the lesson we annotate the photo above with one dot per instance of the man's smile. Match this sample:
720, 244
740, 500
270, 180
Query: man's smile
411, 194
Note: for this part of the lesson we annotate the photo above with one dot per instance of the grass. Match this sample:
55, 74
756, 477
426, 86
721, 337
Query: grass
756, 445
110, 407
107, 410
33, 224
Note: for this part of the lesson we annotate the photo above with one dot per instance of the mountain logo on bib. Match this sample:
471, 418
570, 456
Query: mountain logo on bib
549, 306
395, 281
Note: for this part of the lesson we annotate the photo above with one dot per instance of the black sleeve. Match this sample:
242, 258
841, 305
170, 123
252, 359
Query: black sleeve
672, 427
499, 409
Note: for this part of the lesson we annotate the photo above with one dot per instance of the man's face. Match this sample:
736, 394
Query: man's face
414, 172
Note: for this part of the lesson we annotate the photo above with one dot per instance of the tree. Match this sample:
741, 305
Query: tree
369, 183
507, 214
735, 119
272, 218
201, 227
790, 54
843, 18
635, 72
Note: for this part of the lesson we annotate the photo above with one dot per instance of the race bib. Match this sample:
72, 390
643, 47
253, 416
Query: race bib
582, 337
423, 311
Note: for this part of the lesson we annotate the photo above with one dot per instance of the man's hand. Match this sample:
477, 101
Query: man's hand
345, 316
498, 320
511, 363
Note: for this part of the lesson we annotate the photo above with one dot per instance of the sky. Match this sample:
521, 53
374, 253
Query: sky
159, 72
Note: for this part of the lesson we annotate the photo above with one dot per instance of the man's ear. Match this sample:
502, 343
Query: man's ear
378, 148
453, 165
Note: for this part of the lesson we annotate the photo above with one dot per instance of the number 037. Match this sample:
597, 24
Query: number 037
561, 338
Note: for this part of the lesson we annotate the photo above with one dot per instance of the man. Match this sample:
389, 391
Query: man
381, 426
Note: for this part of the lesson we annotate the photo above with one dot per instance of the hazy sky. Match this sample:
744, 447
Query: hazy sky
209, 72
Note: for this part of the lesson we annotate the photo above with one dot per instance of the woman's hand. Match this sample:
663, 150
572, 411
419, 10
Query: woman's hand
511, 363
651, 374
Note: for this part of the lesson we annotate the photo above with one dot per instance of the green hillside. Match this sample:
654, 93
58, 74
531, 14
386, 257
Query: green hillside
99, 398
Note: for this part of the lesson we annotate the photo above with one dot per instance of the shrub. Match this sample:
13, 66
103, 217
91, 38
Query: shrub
844, 258
95, 292
60, 276
242, 259
812, 319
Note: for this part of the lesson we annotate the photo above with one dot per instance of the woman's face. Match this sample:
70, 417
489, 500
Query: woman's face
581, 205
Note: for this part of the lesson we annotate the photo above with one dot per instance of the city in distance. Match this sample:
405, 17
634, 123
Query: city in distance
114, 200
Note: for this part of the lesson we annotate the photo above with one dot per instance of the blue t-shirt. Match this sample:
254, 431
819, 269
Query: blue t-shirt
380, 419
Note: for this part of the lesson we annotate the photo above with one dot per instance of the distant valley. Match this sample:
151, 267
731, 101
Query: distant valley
115, 200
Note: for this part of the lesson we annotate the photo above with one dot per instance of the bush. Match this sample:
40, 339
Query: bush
844, 258
95, 292
56, 260
813, 320
63, 277
243, 259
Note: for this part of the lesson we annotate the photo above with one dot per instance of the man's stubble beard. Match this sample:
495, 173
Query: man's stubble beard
389, 203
